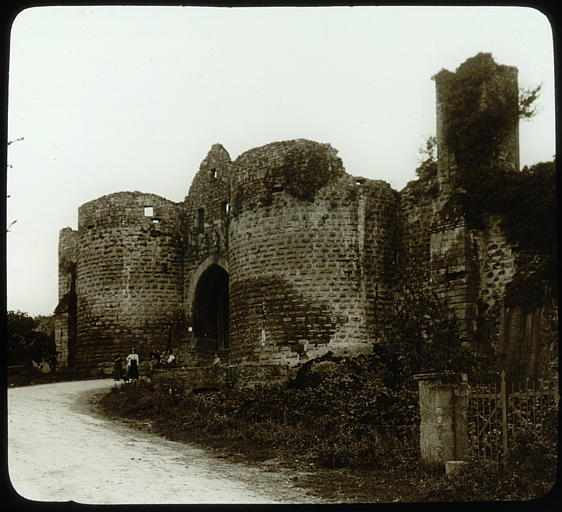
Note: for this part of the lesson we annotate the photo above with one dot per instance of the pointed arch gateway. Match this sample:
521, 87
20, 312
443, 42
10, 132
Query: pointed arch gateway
210, 306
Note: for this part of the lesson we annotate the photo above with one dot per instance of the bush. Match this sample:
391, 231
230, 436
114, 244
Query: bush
341, 418
337, 411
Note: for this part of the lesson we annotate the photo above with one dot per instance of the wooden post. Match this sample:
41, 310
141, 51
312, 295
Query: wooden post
503, 399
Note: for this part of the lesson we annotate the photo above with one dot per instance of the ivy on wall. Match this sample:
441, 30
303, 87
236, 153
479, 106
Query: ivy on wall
482, 106
480, 109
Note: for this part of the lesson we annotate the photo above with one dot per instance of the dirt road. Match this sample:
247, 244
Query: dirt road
59, 451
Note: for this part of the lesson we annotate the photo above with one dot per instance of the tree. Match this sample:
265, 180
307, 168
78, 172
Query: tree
27, 342
428, 159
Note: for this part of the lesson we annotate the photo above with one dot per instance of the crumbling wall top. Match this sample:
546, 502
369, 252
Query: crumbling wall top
126, 208
297, 167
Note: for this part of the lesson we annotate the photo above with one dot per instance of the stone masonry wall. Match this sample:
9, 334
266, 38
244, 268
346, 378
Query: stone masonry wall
62, 331
496, 258
68, 254
129, 287
458, 251
205, 209
454, 273
417, 213
520, 346
302, 254
306, 257
65, 313
206, 216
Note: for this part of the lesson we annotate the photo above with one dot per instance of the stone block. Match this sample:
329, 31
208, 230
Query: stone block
451, 466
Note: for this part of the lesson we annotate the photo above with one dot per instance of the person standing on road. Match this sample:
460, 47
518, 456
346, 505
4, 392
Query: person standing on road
117, 369
133, 365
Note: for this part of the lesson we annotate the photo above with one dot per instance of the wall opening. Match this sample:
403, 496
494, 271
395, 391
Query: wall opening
201, 218
210, 312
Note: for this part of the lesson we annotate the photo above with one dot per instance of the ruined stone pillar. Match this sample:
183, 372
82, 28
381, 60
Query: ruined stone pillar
65, 312
443, 411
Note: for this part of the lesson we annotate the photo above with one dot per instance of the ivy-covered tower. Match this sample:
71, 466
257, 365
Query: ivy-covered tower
477, 119
477, 130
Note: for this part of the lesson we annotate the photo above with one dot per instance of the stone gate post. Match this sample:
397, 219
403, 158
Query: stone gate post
443, 412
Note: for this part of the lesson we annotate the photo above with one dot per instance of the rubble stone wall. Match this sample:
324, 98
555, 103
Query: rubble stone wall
305, 258
65, 313
128, 283
305, 254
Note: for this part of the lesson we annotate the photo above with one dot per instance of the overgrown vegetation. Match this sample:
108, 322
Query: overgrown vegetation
527, 472
336, 412
336, 415
29, 339
482, 107
350, 412
427, 168
425, 336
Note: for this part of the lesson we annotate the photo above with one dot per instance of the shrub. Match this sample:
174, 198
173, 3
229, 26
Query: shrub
528, 471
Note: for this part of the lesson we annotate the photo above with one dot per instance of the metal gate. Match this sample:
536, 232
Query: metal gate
495, 414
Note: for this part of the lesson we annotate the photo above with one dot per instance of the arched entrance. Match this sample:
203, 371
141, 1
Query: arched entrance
210, 311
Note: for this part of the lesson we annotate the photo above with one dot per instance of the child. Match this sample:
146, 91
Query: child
117, 369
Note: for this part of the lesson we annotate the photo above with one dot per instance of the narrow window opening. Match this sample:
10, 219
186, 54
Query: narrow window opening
213, 173
155, 220
277, 188
225, 207
201, 218
148, 211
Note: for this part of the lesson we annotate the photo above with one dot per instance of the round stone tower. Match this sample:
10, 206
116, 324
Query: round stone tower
302, 252
128, 282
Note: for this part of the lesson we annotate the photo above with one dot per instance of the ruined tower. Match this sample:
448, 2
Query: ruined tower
128, 278
281, 256
307, 243
478, 88
65, 312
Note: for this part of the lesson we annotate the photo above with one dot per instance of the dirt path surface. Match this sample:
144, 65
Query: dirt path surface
59, 451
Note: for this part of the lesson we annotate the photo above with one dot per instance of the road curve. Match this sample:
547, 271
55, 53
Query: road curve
57, 451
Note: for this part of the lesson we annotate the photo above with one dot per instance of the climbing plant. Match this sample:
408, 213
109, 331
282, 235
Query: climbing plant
482, 106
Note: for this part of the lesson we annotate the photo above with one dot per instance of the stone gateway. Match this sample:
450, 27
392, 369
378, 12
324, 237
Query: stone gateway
272, 259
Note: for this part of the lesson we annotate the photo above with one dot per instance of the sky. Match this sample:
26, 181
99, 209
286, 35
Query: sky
109, 99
